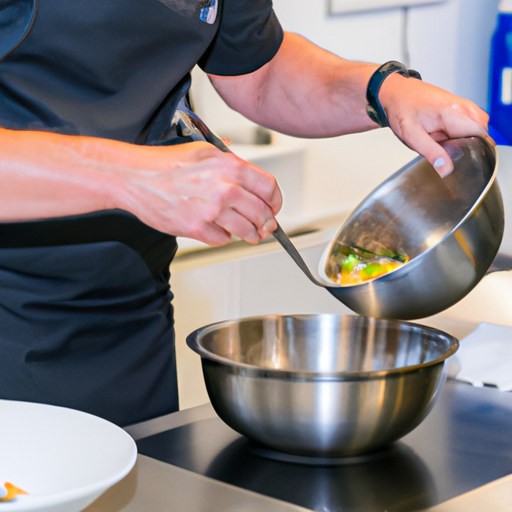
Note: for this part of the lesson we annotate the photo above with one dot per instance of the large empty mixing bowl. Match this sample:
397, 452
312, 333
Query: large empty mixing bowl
322, 385
451, 229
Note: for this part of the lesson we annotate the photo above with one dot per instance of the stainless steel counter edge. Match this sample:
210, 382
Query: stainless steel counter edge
153, 486
173, 420
495, 496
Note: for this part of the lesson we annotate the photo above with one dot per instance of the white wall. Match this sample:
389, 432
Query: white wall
450, 43
447, 42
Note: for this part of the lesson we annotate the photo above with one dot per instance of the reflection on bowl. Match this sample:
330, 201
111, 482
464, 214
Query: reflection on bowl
322, 385
397, 479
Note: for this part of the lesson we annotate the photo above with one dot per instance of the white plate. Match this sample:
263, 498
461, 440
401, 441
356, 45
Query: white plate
63, 458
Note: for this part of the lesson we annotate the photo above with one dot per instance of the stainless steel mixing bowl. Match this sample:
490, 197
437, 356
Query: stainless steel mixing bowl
322, 385
451, 229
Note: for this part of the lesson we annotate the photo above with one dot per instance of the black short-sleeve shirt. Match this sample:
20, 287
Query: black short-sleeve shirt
105, 68
85, 306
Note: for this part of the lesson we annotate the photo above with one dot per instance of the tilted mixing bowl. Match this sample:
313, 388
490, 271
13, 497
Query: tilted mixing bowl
322, 385
451, 229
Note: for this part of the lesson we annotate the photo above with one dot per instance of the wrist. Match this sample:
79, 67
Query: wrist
102, 164
386, 72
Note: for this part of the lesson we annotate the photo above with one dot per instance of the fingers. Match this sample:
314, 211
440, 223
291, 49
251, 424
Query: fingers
233, 222
227, 168
240, 212
422, 115
238, 196
200, 192
427, 146
259, 183
417, 137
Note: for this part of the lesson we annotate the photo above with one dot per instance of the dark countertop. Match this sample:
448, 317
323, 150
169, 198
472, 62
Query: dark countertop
463, 444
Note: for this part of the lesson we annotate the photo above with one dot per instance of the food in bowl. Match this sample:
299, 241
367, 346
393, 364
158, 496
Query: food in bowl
354, 265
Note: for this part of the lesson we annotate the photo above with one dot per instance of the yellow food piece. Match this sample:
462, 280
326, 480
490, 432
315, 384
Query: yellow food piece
363, 272
12, 492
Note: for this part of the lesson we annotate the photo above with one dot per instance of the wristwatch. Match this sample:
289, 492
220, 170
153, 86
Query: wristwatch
374, 107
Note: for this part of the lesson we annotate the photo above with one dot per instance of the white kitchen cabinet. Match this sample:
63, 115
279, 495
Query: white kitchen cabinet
203, 295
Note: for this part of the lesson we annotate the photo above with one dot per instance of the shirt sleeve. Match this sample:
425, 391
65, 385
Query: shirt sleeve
249, 36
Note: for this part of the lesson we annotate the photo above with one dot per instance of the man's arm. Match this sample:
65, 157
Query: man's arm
192, 190
306, 91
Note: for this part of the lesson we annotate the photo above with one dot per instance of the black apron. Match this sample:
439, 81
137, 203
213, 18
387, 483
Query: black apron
86, 319
87, 323
85, 306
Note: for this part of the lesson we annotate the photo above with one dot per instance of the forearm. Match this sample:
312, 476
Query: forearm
308, 92
193, 190
304, 91
45, 175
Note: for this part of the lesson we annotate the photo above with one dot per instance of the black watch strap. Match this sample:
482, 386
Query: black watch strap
374, 107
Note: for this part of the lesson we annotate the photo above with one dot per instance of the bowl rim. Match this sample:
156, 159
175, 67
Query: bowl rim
487, 141
282, 374
81, 493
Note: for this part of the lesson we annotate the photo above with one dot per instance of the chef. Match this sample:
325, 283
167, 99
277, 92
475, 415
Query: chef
97, 180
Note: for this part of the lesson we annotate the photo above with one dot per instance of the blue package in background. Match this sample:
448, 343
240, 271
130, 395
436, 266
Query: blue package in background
498, 138
500, 80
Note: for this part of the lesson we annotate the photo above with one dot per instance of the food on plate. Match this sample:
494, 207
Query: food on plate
9, 491
354, 265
